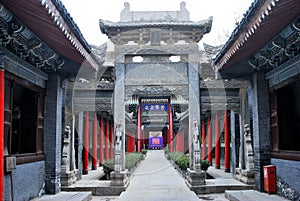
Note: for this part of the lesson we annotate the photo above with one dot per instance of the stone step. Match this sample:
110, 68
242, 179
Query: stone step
220, 186
96, 187
250, 195
66, 196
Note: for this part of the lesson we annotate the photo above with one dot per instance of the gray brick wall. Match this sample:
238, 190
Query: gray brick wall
28, 181
261, 127
53, 133
288, 178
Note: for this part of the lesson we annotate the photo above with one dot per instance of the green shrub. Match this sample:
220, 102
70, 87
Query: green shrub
108, 166
180, 159
204, 165
144, 151
174, 156
183, 162
131, 160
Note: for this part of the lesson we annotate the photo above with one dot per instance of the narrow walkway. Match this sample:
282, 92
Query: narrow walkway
156, 180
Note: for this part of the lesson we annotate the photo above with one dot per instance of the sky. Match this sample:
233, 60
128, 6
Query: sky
86, 14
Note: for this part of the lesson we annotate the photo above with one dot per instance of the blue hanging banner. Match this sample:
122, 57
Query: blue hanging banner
155, 139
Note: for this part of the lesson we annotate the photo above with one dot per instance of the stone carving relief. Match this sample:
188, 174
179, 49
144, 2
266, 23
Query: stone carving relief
66, 150
196, 147
182, 115
248, 149
157, 90
129, 115
119, 175
118, 148
246, 173
156, 73
280, 50
130, 16
166, 49
69, 173
19, 39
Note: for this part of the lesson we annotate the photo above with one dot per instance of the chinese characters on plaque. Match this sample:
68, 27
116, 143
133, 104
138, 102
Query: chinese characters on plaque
155, 107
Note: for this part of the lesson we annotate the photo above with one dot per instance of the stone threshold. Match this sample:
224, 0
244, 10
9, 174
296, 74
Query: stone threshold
66, 196
250, 195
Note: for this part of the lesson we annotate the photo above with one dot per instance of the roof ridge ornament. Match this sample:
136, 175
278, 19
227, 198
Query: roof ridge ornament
125, 13
183, 15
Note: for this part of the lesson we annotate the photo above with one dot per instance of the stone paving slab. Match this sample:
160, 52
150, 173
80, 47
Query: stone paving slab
214, 197
157, 180
105, 198
66, 196
250, 195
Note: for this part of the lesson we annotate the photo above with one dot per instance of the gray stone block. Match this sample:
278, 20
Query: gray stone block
119, 178
195, 178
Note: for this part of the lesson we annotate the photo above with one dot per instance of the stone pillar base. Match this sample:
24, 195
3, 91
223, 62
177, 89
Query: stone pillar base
227, 170
119, 178
245, 176
69, 178
195, 178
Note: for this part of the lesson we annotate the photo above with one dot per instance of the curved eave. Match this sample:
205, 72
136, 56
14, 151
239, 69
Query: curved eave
260, 25
111, 28
46, 21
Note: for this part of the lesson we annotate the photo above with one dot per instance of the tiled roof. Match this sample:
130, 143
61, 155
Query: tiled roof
109, 24
236, 32
70, 22
263, 20
66, 24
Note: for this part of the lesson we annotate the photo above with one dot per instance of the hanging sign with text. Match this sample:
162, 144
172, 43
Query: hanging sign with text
155, 107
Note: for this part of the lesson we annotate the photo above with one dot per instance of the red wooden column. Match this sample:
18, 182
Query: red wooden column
101, 150
2, 127
226, 141
94, 161
209, 146
139, 128
179, 141
142, 139
86, 145
203, 141
182, 142
130, 142
217, 147
170, 128
106, 139
111, 152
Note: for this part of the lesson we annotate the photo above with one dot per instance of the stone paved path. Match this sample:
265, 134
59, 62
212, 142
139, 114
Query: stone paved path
156, 180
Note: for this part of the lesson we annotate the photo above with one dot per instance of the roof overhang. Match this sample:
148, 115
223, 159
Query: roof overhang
193, 30
49, 20
263, 21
